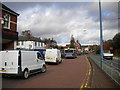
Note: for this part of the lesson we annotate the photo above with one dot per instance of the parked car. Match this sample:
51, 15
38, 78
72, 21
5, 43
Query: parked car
107, 55
53, 56
21, 63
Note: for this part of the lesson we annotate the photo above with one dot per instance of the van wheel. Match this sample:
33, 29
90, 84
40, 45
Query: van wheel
57, 62
44, 69
25, 74
111, 58
4, 76
61, 61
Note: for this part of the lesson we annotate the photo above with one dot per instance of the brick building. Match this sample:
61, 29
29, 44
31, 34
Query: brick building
78, 47
107, 46
8, 27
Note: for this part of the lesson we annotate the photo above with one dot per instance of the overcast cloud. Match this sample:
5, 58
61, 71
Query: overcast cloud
61, 20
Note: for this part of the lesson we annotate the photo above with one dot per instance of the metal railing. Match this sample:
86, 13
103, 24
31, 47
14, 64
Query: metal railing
110, 67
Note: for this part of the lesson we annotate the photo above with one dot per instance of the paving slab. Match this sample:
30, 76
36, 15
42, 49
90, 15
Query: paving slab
101, 79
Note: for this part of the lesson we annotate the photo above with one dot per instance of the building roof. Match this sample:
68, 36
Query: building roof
5, 8
24, 38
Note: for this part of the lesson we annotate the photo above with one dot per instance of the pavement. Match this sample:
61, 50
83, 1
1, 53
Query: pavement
99, 79
116, 58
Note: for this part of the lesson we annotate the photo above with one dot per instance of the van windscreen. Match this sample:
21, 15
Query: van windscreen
69, 51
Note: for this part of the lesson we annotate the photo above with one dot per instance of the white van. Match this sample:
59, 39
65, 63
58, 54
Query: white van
53, 56
21, 63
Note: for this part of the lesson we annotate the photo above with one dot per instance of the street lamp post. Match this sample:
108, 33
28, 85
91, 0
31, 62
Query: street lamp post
101, 38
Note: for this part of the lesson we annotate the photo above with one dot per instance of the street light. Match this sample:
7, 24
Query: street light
101, 38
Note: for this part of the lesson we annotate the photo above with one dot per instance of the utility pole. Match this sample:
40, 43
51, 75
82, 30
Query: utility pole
101, 38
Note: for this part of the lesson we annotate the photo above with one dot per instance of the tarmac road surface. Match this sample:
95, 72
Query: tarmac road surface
70, 73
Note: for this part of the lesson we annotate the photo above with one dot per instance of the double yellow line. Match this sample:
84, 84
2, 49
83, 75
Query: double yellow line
85, 83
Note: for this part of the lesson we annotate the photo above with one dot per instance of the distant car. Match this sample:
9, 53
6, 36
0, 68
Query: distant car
70, 53
107, 55
86, 52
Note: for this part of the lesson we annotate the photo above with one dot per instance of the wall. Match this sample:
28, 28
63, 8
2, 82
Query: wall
9, 45
12, 26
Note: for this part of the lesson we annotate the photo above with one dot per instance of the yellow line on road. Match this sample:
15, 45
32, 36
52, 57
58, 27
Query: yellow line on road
87, 77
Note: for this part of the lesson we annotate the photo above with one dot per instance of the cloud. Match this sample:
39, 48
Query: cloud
61, 20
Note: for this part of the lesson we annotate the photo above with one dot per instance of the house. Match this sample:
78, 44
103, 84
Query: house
27, 41
78, 47
50, 43
53, 43
107, 46
8, 27
85, 48
67, 46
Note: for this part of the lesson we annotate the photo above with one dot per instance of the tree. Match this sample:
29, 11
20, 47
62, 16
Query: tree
97, 51
60, 47
47, 41
72, 42
52, 43
109, 41
116, 41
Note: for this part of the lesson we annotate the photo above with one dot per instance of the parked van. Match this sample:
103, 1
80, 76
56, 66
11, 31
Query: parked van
21, 63
53, 56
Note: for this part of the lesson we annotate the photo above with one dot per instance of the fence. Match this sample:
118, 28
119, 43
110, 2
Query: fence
110, 67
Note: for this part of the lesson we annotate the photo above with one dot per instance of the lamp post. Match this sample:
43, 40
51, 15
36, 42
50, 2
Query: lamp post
101, 38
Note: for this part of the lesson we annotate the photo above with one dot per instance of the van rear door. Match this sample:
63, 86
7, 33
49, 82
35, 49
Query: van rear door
50, 55
9, 61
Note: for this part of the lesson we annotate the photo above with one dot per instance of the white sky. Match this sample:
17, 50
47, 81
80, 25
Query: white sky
61, 20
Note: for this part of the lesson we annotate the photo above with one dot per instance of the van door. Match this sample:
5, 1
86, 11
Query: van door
9, 62
40, 60
58, 55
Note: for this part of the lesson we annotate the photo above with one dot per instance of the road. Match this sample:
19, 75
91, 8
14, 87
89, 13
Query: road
71, 73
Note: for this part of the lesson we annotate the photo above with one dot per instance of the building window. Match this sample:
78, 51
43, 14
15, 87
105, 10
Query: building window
38, 43
18, 43
35, 43
41, 44
6, 19
21, 42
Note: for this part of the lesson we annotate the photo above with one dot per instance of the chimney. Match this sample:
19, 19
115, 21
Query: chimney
28, 36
